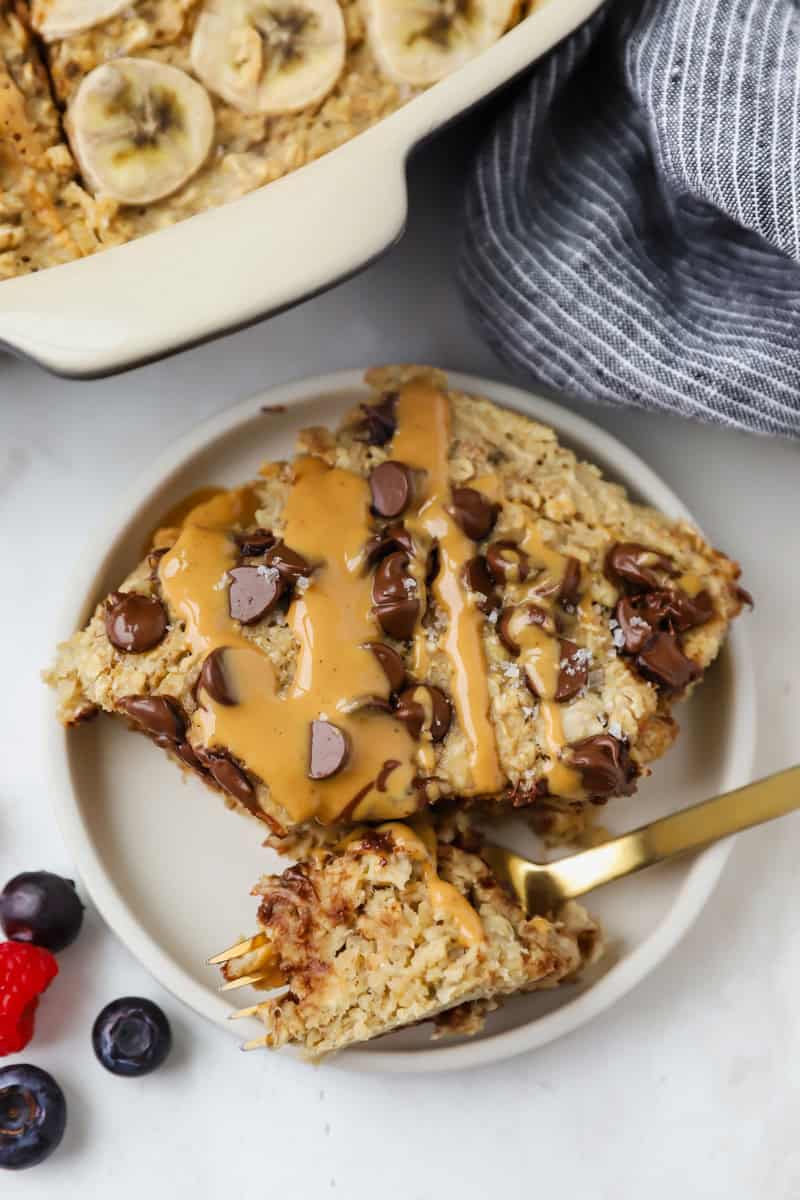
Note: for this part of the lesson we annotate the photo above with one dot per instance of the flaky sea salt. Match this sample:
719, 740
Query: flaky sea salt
270, 573
615, 729
617, 635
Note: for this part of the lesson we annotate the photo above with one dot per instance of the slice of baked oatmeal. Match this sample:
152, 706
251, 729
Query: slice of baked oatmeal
397, 926
437, 601
41, 218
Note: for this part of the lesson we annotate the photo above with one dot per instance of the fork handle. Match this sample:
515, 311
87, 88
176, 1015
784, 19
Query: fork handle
690, 829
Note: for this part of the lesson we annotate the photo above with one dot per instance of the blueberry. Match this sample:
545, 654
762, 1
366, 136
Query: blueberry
33, 1113
42, 908
131, 1036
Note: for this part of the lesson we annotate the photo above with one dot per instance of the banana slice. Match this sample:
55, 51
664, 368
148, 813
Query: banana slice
269, 56
56, 19
139, 129
420, 41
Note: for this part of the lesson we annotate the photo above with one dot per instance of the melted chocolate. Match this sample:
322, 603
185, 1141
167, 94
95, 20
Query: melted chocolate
135, 623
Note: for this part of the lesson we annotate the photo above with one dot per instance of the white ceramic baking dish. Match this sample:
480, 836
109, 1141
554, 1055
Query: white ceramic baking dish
231, 266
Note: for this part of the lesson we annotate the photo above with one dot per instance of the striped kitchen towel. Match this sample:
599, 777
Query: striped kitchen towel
633, 221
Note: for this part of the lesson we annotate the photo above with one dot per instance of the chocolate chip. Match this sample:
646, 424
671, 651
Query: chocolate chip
479, 579
328, 751
390, 485
185, 752
392, 581
379, 421
253, 593
570, 590
423, 706
135, 623
231, 778
159, 716
254, 542
396, 608
573, 671
398, 618
504, 632
663, 662
534, 615
213, 678
678, 609
638, 567
636, 622
507, 562
605, 766
391, 664
386, 541
472, 511
288, 563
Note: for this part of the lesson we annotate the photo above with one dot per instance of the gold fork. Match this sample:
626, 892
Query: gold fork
542, 887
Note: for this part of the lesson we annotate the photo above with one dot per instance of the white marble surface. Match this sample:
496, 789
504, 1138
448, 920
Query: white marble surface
688, 1088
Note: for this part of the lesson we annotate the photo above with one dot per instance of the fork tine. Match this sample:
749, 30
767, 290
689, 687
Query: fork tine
244, 1012
245, 981
239, 949
256, 1044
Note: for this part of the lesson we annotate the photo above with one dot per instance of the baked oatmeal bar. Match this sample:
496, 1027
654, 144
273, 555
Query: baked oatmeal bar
437, 601
395, 927
41, 219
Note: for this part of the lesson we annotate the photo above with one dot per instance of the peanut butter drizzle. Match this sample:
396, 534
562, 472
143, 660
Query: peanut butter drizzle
175, 517
446, 900
562, 780
422, 442
326, 520
540, 656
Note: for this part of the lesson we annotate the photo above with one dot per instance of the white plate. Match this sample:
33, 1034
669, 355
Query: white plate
170, 868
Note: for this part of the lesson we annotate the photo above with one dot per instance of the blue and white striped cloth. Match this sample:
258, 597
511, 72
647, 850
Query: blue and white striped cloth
633, 222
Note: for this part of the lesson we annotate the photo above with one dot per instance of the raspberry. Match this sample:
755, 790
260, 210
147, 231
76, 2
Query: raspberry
25, 972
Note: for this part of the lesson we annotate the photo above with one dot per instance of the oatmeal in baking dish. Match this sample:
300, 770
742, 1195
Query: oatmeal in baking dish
165, 108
